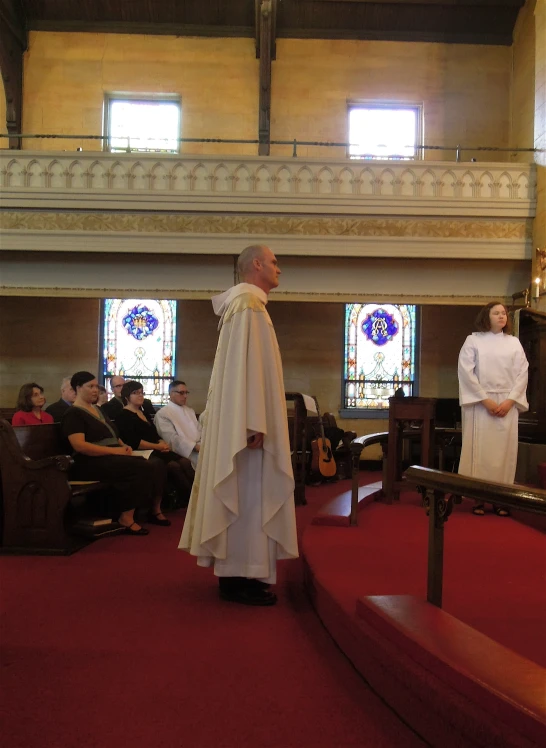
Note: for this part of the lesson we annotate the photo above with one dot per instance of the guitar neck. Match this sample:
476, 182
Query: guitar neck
321, 422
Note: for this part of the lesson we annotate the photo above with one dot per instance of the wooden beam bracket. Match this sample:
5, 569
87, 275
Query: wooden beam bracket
13, 43
266, 23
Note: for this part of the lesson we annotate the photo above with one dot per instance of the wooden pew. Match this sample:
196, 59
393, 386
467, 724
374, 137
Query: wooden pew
36, 495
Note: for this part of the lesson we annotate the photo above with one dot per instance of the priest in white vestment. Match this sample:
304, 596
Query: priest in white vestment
177, 424
492, 392
241, 516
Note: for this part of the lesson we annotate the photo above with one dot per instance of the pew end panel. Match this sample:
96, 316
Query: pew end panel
36, 494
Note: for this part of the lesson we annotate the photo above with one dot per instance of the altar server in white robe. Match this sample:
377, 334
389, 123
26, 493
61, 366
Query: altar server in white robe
241, 516
492, 392
177, 424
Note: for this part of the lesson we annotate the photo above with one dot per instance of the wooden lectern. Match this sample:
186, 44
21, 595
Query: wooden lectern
403, 410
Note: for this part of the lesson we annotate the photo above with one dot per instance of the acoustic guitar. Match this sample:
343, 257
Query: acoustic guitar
322, 457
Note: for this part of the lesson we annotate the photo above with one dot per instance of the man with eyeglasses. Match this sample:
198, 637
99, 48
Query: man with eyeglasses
177, 424
241, 516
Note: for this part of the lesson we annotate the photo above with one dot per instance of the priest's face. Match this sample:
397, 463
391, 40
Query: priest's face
497, 317
268, 270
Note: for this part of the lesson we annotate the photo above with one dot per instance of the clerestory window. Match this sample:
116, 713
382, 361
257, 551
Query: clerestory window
385, 131
142, 124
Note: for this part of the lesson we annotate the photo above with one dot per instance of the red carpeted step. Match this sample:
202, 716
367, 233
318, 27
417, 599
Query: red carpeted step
337, 511
507, 687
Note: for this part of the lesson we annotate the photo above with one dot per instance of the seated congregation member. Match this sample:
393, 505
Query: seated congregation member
136, 431
59, 407
113, 407
100, 455
103, 396
29, 406
177, 424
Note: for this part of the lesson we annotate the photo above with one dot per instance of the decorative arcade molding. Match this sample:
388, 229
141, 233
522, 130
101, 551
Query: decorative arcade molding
234, 183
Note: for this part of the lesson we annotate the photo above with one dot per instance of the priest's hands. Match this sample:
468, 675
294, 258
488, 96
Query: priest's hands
256, 441
498, 410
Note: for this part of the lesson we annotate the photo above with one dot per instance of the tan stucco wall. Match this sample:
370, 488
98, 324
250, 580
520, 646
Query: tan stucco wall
522, 100
67, 74
44, 340
465, 89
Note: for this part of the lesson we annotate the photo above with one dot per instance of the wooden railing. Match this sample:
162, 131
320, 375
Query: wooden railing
441, 490
443, 437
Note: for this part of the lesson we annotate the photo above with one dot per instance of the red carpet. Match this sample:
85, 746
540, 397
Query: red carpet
126, 644
494, 568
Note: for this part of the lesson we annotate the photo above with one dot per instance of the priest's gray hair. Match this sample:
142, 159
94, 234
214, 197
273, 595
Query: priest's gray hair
247, 257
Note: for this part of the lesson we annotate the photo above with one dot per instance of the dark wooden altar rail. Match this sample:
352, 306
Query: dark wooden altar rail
441, 436
434, 485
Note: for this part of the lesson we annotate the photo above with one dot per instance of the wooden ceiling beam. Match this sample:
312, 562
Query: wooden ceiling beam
13, 43
266, 23
473, 3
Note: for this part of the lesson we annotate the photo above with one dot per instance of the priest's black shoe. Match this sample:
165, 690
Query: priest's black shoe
237, 590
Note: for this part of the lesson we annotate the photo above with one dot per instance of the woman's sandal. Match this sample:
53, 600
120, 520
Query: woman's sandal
500, 512
478, 510
129, 531
153, 519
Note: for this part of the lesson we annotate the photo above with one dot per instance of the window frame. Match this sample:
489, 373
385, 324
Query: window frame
375, 413
110, 97
382, 104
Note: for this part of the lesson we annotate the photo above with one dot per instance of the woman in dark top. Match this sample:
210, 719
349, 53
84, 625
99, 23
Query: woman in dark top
100, 455
135, 430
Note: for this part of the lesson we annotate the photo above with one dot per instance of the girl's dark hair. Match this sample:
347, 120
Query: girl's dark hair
80, 378
24, 399
128, 389
102, 389
483, 323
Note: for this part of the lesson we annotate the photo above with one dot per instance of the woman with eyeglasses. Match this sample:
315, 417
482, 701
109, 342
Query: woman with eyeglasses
100, 455
135, 430
30, 402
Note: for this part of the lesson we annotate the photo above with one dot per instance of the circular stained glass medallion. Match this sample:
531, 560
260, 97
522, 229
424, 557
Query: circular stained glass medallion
380, 326
140, 322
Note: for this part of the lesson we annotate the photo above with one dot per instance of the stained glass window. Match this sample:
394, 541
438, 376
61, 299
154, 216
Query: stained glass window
379, 353
139, 342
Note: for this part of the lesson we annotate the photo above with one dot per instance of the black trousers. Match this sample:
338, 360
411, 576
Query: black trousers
132, 478
178, 469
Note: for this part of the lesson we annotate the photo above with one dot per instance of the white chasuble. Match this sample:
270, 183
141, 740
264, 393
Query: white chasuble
494, 366
241, 515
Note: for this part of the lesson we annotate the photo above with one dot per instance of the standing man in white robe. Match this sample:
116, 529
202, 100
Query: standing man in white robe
241, 516
177, 424
492, 391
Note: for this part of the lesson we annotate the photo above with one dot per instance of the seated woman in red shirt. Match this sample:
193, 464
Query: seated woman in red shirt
30, 402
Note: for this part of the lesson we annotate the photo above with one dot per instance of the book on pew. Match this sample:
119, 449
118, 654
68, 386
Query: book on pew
142, 453
94, 521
